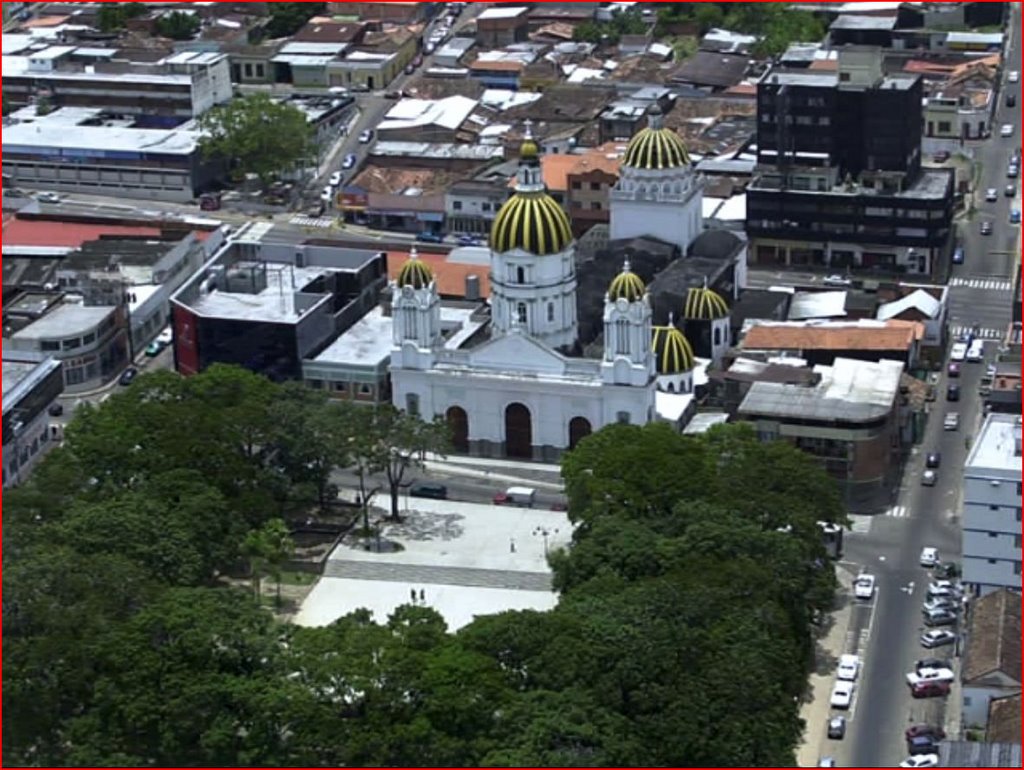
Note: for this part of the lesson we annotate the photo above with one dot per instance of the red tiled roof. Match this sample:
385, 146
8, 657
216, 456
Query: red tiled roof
38, 232
893, 336
450, 276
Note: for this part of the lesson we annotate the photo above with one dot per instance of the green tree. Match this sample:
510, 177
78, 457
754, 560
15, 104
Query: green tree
111, 17
267, 550
257, 135
178, 25
288, 18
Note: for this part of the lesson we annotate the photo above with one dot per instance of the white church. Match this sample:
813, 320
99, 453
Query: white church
518, 393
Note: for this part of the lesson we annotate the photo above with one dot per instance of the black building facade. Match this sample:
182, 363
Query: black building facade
839, 182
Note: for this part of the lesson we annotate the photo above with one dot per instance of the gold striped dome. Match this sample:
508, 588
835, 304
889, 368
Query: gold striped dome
626, 285
672, 351
415, 272
530, 220
704, 304
533, 222
656, 147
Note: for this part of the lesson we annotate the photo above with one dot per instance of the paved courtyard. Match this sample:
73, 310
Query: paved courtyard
465, 559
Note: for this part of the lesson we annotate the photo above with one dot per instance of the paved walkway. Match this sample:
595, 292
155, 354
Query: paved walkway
816, 709
423, 574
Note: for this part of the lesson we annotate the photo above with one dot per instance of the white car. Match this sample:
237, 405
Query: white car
929, 557
958, 352
976, 352
937, 637
48, 197
166, 337
842, 695
335, 179
941, 588
837, 280
327, 194
848, 667
1006, 130
921, 760
864, 586
365, 136
930, 675
991, 194
1012, 76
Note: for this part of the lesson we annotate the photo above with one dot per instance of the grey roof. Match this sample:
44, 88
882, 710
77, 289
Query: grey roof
851, 21
974, 754
716, 244
849, 391
817, 304
708, 68
65, 321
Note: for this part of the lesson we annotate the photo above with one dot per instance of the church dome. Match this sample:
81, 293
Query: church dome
626, 285
704, 304
672, 351
415, 272
656, 147
530, 220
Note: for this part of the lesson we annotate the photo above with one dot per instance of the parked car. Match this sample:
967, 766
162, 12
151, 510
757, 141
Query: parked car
520, 496
947, 570
941, 156
930, 675
47, 197
864, 586
929, 690
937, 637
393, 95
428, 490
922, 744
1012, 171
1010, 191
933, 618
837, 727
849, 666
837, 280
469, 240
976, 352
985, 228
153, 349
933, 460
953, 370
942, 588
826, 762
409, 69
1011, 100
958, 352
931, 663
56, 409
940, 603
365, 137
1006, 130
327, 194
921, 760
929, 557
842, 695
335, 180
991, 194
1012, 76
128, 376
1014, 216
953, 393
349, 161
429, 236
921, 729
958, 255
951, 421
929, 478
165, 337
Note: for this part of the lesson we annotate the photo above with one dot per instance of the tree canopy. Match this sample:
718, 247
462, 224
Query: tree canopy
257, 135
288, 18
178, 25
777, 25
681, 636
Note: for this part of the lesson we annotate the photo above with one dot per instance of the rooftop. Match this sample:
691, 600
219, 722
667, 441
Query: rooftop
47, 232
1004, 719
449, 113
820, 304
997, 447
993, 637
852, 21
98, 138
451, 270
977, 754
848, 391
275, 303
830, 335
502, 12
65, 320
367, 342
458, 151
22, 370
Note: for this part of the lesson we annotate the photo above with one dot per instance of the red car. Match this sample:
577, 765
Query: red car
929, 689
915, 731
953, 370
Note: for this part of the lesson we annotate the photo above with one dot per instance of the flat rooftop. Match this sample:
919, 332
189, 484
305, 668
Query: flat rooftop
995, 448
503, 12
19, 66
275, 303
367, 342
64, 321
98, 138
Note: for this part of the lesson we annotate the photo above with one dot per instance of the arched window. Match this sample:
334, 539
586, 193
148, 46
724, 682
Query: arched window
521, 312
621, 337
551, 312
412, 404
520, 275
718, 336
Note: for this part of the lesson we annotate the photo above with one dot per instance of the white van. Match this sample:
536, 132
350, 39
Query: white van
521, 496
958, 352
976, 352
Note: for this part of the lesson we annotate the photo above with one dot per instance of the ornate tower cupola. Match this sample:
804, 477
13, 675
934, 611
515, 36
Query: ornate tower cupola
707, 316
658, 193
628, 358
416, 314
533, 272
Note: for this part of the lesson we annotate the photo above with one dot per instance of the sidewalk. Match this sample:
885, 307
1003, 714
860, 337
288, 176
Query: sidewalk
815, 710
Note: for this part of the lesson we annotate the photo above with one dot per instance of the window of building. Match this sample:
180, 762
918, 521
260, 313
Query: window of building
485, 206
457, 205
341, 387
248, 69
944, 127
993, 534
1019, 489
595, 206
260, 71
595, 186
1016, 568
521, 312
365, 390
622, 418
844, 77
1016, 541
577, 185
412, 404
993, 507
551, 312
72, 343
1018, 514
49, 345
520, 275
993, 561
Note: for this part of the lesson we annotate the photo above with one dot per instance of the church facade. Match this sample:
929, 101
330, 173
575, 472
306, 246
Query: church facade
523, 392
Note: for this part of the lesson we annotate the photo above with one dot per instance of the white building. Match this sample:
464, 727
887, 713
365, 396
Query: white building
520, 391
992, 506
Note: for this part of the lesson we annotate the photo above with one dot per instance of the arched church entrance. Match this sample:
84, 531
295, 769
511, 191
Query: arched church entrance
579, 429
458, 424
518, 431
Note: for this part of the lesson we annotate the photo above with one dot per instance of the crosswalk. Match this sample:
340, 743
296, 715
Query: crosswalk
898, 512
304, 221
989, 284
981, 334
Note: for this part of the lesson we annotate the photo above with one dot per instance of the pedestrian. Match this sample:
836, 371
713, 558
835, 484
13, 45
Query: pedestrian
423, 595
412, 595
512, 545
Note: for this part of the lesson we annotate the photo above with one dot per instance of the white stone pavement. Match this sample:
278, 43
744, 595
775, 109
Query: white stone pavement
442, 533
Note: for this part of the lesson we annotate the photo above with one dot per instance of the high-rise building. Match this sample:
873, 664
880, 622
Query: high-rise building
991, 518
